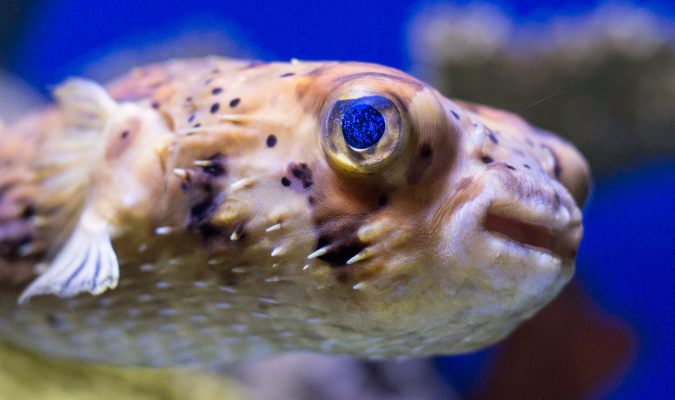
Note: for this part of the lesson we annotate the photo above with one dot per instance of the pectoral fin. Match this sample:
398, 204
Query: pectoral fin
87, 263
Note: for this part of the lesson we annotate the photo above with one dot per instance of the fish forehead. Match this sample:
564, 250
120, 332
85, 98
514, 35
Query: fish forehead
279, 94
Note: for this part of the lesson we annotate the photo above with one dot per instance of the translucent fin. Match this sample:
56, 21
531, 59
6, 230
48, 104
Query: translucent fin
72, 150
87, 263
85, 104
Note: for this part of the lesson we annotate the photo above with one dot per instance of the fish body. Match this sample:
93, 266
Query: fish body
204, 211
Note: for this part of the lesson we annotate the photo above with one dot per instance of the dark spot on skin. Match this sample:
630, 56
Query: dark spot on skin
417, 169
271, 141
302, 173
214, 108
425, 150
216, 91
311, 201
28, 212
340, 251
557, 171
383, 200
199, 211
454, 114
155, 105
493, 138
197, 125
208, 81
191, 118
527, 166
216, 168
285, 181
531, 143
287, 74
215, 71
235, 102
209, 231
487, 159
124, 134
201, 184
511, 167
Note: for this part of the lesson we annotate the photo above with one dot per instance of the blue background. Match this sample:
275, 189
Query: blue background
627, 260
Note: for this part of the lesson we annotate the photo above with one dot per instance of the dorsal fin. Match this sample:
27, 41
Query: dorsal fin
85, 104
69, 155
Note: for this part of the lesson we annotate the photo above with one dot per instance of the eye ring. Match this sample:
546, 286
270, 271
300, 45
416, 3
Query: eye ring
363, 132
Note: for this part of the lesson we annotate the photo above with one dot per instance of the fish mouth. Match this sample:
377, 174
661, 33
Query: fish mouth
544, 232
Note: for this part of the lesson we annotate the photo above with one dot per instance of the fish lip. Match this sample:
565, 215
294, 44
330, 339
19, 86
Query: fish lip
535, 227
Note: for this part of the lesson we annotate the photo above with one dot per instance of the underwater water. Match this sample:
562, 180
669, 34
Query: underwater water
621, 347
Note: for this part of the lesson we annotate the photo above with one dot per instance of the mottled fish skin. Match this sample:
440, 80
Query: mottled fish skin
239, 234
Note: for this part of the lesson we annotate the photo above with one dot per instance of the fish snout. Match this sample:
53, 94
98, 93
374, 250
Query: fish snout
535, 213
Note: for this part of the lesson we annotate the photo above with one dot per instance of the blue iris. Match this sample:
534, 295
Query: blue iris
362, 126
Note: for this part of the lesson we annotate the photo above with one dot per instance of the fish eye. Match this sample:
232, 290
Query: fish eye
362, 133
362, 126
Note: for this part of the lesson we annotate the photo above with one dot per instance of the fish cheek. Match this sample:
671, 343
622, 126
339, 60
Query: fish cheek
437, 137
340, 207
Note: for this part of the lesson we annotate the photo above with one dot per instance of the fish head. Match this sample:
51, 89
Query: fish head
408, 223
434, 223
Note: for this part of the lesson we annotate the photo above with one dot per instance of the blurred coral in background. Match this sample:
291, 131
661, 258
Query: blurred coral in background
605, 79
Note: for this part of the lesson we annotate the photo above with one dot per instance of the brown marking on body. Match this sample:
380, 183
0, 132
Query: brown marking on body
301, 173
204, 187
339, 208
124, 137
420, 164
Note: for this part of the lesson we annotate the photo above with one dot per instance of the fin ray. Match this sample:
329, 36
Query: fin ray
87, 263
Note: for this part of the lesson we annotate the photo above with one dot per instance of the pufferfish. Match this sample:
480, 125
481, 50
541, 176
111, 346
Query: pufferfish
199, 212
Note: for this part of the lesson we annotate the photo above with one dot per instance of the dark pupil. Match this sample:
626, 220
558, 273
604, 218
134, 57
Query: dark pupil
362, 126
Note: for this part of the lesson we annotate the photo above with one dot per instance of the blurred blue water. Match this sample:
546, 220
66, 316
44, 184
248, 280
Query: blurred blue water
627, 262
627, 259
61, 37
